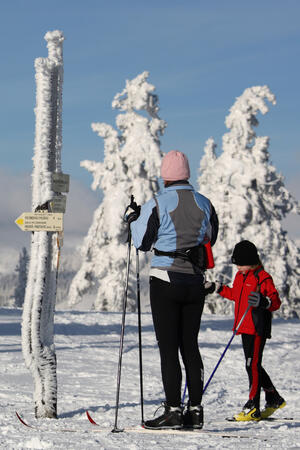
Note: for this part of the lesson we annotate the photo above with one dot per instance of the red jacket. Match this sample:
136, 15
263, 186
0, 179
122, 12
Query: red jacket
239, 293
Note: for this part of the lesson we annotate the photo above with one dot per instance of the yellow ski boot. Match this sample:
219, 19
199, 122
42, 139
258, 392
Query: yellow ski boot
271, 407
249, 413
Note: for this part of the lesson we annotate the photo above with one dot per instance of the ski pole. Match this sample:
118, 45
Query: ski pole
140, 334
116, 429
222, 356
226, 348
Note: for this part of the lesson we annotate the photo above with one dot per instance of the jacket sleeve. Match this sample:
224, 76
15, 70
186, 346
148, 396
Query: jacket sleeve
227, 292
214, 221
144, 229
268, 290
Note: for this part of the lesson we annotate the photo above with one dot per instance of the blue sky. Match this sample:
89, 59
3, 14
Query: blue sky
201, 56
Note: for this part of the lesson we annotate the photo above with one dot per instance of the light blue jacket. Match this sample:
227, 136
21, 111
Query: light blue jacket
178, 218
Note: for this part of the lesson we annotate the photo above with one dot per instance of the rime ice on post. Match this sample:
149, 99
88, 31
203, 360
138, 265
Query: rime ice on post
251, 200
131, 166
38, 314
21, 270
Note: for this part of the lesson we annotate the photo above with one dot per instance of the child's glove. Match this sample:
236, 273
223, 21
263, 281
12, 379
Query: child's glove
256, 299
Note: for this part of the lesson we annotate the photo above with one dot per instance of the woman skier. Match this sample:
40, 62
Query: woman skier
178, 222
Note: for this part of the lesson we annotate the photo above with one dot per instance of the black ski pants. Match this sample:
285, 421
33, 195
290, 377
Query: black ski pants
258, 378
176, 311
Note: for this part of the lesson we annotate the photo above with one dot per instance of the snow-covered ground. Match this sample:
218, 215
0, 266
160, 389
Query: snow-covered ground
87, 346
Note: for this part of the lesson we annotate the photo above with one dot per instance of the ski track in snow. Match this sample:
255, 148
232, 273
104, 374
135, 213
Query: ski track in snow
87, 347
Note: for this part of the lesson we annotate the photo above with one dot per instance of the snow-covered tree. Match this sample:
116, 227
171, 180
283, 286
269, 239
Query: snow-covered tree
21, 270
131, 166
251, 200
38, 312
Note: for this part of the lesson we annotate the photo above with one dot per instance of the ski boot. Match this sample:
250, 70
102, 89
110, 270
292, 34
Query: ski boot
250, 413
193, 417
171, 419
271, 406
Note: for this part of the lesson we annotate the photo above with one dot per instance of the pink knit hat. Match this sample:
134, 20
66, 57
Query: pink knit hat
175, 166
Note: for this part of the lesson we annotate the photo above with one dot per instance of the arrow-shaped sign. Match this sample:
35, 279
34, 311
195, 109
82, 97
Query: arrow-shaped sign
40, 221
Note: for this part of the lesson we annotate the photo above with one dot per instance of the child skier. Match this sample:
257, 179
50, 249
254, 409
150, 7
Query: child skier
253, 286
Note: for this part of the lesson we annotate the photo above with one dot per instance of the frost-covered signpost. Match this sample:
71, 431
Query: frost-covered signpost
131, 166
38, 314
251, 200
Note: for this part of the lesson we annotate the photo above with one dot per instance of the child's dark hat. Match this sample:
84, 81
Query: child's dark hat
245, 254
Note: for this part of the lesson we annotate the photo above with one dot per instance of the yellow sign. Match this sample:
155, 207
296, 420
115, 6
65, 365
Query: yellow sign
40, 221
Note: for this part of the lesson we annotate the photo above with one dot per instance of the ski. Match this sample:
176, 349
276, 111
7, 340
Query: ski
226, 434
181, 432
228, 419
23, 421
267, 419
91, 420
33, 427
133, 430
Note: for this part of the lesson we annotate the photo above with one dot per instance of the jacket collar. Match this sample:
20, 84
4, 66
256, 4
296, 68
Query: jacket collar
176, 187
252, 270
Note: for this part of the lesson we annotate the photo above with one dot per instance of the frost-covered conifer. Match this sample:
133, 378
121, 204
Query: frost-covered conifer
21, 270
38, 312
131, 166
251, 200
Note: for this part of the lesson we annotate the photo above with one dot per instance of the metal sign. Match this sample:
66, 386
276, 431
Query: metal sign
58, 204
60, 182
40, 221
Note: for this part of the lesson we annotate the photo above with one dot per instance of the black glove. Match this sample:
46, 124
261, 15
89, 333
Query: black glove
136, 208
256, 299
132, 216
209, 287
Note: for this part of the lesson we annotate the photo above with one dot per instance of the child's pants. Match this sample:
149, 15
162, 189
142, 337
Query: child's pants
258, 378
